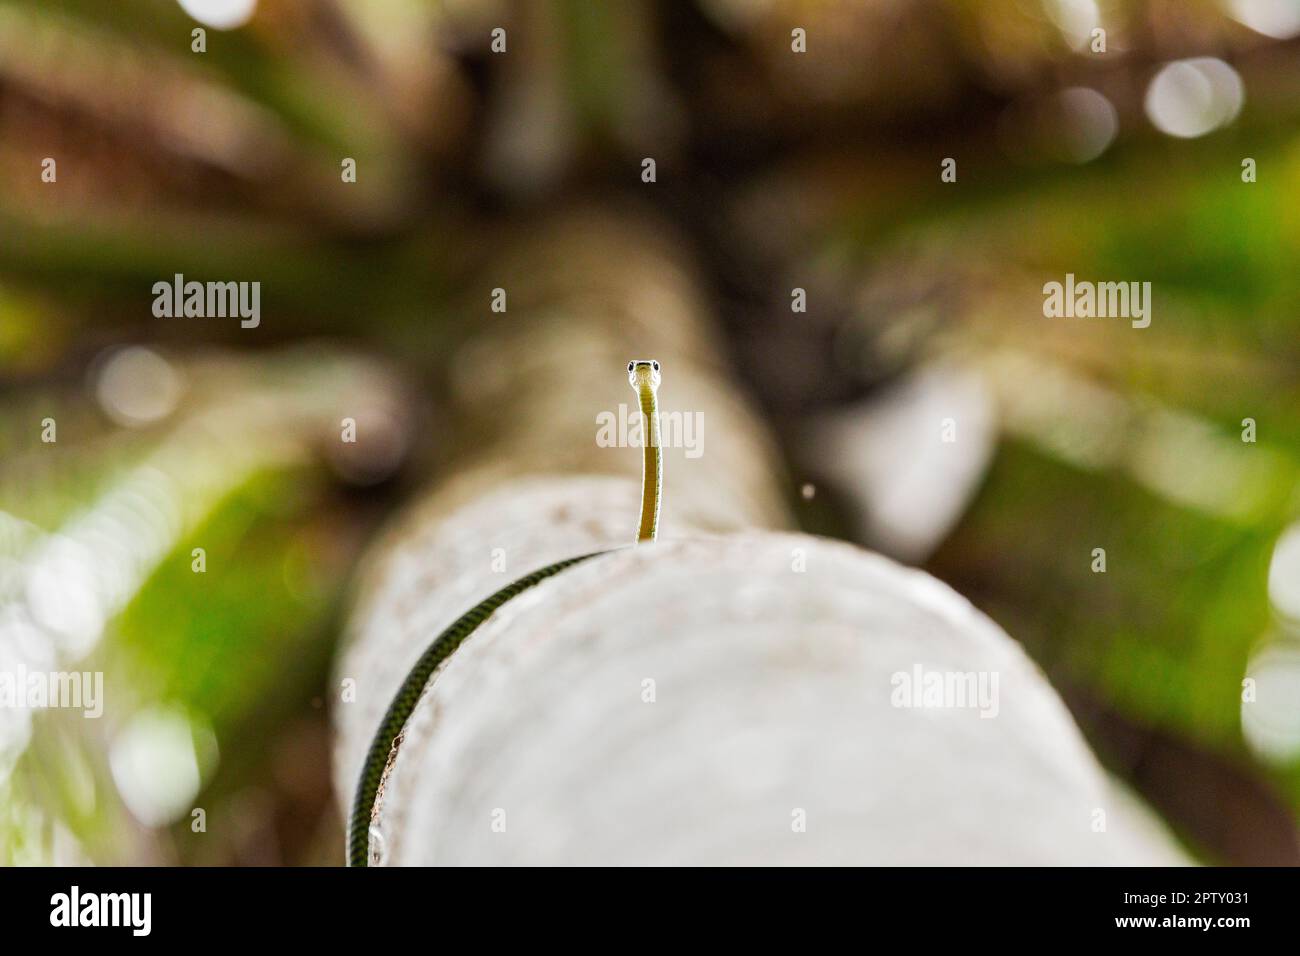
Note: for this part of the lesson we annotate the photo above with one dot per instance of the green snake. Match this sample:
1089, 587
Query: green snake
643, 374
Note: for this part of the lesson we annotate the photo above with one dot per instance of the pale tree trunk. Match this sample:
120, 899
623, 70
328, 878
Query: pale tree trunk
726, 695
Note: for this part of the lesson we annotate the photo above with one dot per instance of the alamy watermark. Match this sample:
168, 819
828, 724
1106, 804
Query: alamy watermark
946, 690
35, 690
1102, 300
212, 300
133, 911
623, 429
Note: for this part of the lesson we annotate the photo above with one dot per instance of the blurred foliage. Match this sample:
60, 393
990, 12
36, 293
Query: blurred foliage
781, 170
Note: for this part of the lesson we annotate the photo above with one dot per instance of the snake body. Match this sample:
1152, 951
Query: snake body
644, 377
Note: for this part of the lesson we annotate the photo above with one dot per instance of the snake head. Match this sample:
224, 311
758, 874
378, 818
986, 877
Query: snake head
643, 371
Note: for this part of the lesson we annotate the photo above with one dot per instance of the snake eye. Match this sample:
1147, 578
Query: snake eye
656, 365
629, 366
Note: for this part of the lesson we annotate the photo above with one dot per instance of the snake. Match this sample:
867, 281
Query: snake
644, 377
